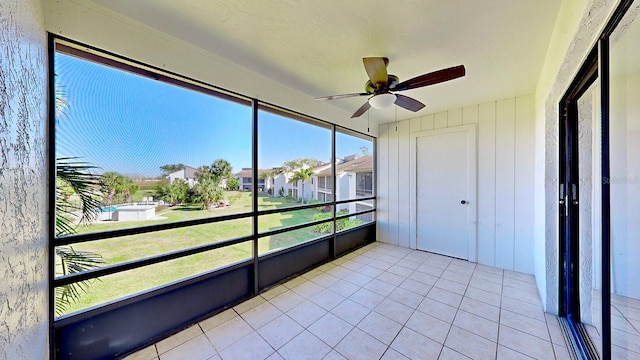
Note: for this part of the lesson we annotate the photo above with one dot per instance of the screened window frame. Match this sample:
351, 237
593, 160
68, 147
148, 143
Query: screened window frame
88, 53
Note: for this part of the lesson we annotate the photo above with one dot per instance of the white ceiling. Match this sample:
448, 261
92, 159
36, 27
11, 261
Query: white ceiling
316, 47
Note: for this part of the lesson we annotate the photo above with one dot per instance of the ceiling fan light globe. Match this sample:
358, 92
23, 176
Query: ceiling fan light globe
382, 101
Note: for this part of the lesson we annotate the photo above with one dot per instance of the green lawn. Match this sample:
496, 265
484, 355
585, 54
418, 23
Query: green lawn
133, 247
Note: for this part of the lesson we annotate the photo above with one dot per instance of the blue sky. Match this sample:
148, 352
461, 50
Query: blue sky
133, 125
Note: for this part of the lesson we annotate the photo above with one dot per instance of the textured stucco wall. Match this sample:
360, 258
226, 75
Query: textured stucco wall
23, 206
578, 25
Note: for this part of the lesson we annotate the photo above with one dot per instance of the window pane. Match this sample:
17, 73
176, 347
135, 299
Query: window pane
354, 170
291, 218
158, 152
116, 286
624, 145
353, 208
134, 247
290, 238
292, 152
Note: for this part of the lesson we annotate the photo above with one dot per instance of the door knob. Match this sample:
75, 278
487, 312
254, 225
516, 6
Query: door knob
463, 202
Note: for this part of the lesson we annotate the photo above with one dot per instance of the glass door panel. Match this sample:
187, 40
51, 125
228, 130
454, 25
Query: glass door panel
625, 187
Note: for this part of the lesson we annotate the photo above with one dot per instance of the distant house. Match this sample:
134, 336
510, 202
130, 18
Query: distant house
354, 180
187, 174
245, 176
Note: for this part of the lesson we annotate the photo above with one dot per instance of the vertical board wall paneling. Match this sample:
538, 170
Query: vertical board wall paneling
427, 122
383, 183
440, 120
505, 182
404, 184
454, 117
393, 184
486, 183
415, 126
524, 184
470, 114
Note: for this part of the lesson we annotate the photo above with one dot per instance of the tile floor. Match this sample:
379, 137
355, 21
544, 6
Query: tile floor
380, 302
625, 326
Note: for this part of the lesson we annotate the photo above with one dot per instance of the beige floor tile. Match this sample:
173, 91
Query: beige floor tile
485, 284
286, 301
394, 310
429, 326
525, 324
360, 345
228, 333
261, 315
367, 298
406, 297
148, 353
251, 347
524, 343
330, 329
519, 276
370, 271
430, 270
490, 270
306, 313
327, 299
217, 319
529, 295
416, 286
358, 279
483, 295
353, 265
344, 288
505, 353
480, 308
400, 270
424, 278
445, 296
392, 279
279, 331
325, 280
455, 276
350, 311
416, 346
523, 308
449, 354
294, 282
334, 355
380, 327
438, 310
470, 344
273, 292
481, 276
304, 346
380, 287
198, 348
308, 289
561, 352
453, 286
249, 304
391, 354
178, 339
478, 325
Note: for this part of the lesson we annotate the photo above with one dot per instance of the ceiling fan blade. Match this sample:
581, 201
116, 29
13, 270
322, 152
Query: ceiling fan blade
341, 96
377, 70
431, 78
408, 103
363, 109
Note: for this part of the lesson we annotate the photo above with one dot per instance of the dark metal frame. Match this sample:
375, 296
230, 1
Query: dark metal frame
133, 320
597, 65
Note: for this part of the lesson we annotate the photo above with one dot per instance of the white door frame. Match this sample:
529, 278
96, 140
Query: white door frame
472, 240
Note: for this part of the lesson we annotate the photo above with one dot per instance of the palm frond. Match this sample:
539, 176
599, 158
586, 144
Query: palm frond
74, 261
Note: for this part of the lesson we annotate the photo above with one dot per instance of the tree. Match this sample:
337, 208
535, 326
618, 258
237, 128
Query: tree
76, 177
222, 168
293, 165
129, 187
208, 191
171, 168
233, 184
177, 191
73, 177
302, 175
113, 184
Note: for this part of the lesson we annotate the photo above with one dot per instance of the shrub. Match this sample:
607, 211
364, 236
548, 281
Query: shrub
324, 227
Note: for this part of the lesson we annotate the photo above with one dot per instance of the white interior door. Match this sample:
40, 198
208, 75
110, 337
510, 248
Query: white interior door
443, 186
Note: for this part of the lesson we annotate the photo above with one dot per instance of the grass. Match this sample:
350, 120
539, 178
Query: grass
127, 248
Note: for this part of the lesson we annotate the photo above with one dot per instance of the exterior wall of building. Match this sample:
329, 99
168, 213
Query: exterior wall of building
23, 181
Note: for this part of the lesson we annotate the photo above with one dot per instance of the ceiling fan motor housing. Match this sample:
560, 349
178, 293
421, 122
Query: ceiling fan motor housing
392, 81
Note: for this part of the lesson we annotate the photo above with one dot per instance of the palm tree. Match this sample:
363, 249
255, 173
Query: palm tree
113, 184
303, 174
208, 191
73, 177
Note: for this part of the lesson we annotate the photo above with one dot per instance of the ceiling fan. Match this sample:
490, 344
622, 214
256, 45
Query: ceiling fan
381, 86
